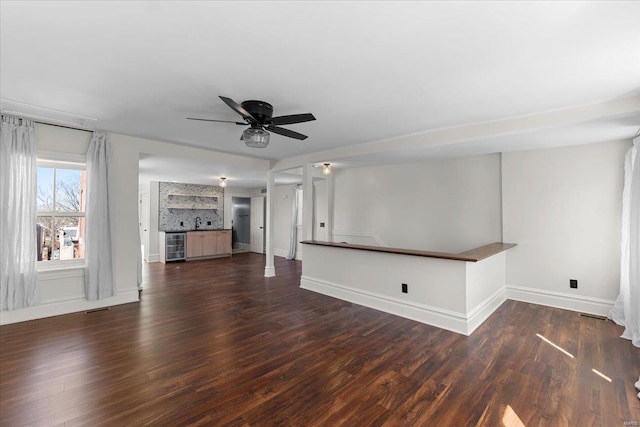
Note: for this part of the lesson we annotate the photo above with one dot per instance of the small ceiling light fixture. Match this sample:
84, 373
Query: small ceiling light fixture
326, 168
255, 137
223, 181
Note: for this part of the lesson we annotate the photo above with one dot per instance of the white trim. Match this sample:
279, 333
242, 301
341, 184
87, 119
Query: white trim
57, 159
565, 301
60, 265
434, 316
269, 271
367, 234
481, 312
65, 306
58, 214
60, 273
153, 258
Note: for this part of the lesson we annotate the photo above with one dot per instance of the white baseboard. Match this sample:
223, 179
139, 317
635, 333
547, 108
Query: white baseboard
57, 308
565, 301
241, 246
154, 258
441, 318
482, 311
269, 271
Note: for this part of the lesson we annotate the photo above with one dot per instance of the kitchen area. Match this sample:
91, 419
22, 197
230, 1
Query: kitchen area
190, 222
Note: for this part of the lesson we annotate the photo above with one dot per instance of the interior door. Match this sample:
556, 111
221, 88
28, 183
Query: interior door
257, 224
241, 222
143, 216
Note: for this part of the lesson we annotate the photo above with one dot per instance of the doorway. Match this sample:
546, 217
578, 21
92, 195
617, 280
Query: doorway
257, 225
241, 223
143, 221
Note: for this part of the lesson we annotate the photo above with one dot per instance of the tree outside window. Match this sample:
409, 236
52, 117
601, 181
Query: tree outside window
61, 204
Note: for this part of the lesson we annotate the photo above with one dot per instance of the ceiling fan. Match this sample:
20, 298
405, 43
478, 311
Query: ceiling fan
257, 114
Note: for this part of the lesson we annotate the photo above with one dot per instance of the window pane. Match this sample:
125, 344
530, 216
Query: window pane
69, 190
60, 238
45, 189
44, 233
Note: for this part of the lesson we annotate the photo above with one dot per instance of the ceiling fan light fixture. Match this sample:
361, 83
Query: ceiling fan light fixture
255, 137
223, 181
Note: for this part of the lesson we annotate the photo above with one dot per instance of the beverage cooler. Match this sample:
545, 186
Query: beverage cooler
175, 246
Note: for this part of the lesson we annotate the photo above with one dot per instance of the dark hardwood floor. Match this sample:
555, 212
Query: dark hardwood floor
215, 343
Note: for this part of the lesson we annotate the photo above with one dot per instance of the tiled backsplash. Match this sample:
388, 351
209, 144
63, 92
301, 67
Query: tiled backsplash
182, 203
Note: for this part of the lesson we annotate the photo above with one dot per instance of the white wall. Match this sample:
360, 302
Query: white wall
373, 279
433, 282
321, 210
447, 205
562, 207
282, 204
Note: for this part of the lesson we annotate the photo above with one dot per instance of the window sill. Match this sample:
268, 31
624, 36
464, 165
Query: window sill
76, 264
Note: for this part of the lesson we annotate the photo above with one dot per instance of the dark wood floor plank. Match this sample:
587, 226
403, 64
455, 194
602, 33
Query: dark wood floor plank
213, 342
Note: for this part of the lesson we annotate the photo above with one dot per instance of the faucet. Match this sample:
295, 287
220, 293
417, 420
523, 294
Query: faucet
198, 220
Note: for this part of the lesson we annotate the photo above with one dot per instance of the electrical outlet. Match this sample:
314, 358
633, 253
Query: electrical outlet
322, 225
573, 283
405, 288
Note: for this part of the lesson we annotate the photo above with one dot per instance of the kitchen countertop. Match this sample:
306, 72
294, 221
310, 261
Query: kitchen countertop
472, 255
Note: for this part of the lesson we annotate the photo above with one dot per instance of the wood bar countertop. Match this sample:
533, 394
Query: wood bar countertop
472, 255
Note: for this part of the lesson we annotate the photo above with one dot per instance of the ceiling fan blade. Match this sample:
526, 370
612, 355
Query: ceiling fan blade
286, 132
293, 118
238, 109
213, 120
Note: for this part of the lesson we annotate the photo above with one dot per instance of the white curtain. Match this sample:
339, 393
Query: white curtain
98, 267
18, 245
626, 311
293, 236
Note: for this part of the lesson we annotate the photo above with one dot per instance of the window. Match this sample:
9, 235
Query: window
61, 201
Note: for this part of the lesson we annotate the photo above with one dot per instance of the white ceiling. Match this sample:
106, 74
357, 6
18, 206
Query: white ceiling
369, 71
155, 167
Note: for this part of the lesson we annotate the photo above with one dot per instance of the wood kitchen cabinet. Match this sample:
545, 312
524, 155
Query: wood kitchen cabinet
208, 244
223, 242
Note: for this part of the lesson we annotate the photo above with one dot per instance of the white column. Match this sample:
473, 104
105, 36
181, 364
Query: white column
269, 268
307, 202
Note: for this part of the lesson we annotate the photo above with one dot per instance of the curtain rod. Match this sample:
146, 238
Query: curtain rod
61, 126
44, 123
